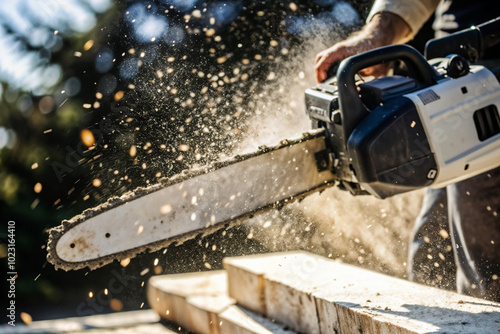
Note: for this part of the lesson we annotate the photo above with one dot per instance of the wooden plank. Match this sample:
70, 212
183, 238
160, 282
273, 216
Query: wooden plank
203, 312
247, 289
168, 294
133, 322
246, 283
238, 320
138, 329
331, 297
199, 302
297, 310
276, 300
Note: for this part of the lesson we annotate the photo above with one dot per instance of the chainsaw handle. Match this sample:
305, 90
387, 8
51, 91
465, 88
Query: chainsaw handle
351, 107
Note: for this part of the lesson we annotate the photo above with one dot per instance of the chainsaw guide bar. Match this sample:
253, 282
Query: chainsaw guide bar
196, 202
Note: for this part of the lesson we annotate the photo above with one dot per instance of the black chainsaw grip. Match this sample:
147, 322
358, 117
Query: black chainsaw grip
352, 108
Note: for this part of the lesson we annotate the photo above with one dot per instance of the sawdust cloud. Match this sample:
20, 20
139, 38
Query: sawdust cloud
361, 230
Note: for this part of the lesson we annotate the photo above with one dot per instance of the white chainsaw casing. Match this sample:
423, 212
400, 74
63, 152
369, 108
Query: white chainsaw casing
447, 113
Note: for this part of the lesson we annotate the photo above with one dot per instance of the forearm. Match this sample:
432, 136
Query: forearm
383, 29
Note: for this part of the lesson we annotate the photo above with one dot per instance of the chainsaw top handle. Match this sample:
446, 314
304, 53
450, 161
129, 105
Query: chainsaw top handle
352, 108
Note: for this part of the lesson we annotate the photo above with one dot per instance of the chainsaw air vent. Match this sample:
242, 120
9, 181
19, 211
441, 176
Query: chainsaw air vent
487, 122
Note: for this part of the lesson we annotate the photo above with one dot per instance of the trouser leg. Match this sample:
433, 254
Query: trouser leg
474, 211
430, 259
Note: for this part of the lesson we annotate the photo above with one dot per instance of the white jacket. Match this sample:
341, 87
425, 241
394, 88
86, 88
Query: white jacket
414, 12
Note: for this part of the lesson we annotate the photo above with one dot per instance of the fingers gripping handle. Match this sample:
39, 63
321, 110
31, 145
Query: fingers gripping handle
351, 106
332, 71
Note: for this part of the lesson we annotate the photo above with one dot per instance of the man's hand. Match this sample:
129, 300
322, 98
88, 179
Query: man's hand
383, 29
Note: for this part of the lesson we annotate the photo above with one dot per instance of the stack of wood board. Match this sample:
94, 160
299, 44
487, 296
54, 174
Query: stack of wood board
312, 294
199, 303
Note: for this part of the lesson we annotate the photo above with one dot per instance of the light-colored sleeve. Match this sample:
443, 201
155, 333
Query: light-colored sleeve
414, 12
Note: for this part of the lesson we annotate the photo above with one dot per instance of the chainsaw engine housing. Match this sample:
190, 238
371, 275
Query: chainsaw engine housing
400, 133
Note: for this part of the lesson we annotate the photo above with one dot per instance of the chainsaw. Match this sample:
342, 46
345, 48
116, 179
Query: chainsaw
435, 125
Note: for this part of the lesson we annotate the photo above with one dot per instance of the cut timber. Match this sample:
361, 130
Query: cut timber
237, 320
203, 313
199, 302
134, 322
313, 294
250, 285
191, 300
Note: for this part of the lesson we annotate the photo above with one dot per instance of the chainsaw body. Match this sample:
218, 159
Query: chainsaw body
436, 125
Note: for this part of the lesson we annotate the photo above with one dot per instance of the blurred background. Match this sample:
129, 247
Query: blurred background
98, 97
